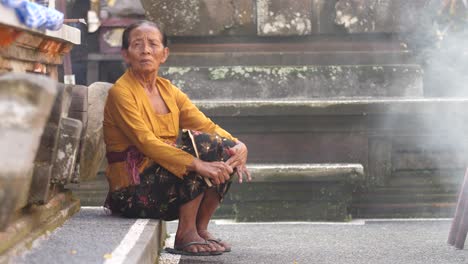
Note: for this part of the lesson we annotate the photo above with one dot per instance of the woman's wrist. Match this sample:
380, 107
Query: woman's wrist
194, 165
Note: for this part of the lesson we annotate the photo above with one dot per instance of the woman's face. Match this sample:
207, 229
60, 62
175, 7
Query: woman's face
146, 51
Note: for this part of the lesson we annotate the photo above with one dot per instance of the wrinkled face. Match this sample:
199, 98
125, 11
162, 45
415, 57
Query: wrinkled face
146, 51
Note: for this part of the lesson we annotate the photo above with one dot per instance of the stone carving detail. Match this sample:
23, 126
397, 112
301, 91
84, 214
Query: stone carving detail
67, 149
93, 148
284, 17
202, 17
379, 16
25, 104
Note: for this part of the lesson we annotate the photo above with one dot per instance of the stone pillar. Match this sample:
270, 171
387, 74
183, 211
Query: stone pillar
25, 104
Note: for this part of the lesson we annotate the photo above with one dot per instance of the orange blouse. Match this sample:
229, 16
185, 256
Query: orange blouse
129, 119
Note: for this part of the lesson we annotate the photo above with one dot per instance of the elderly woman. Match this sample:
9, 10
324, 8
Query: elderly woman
150, 174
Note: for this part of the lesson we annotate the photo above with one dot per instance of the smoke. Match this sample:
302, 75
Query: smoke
440, 42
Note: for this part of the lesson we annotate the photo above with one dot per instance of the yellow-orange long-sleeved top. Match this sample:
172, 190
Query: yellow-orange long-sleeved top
129, 120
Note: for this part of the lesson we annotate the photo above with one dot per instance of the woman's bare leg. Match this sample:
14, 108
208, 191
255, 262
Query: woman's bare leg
208, 206
187, 231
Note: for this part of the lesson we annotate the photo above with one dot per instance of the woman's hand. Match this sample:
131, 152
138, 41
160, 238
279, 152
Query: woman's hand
238, 160
217, 171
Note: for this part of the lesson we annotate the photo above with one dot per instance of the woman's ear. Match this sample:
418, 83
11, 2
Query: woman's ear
165, 54
124, 53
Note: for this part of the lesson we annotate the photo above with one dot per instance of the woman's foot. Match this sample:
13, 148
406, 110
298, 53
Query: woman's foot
220, 245
201, 246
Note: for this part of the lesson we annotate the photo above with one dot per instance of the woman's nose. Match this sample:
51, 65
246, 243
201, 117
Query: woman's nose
146, 48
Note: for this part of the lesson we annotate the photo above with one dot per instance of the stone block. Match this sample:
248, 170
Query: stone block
79, 111
380, 16
203, 17
93, 150
47, 153
25, 104
124, 8
323, 18
296, 82
288, 201
79, 103
284, 17
67, 149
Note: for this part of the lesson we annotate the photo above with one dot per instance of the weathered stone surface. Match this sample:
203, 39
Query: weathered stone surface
124, 8
34, 222
273, 201
377, 16
307, 172
202, 17
79, 104
67, 148
323, 18
295, 56
284, 17
47, 153
25, 104
93, 148
298, 82
79, 111
420, 112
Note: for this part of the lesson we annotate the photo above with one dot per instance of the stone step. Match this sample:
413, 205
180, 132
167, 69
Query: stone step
266, 58
332, 106
406, 197
419, 178
404, 210
294, 192
296, 82
417, 190
287, 189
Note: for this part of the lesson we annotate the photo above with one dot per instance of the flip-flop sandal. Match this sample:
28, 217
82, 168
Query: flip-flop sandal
179, 250
218, 241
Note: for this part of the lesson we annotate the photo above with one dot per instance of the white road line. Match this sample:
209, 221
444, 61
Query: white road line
128, 242
370, 220
232, 222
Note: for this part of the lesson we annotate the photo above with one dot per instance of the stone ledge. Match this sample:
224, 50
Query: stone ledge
306, 172
294, 192
97, 237
360, 106
230, 58
297, 82
8, 17
35, 222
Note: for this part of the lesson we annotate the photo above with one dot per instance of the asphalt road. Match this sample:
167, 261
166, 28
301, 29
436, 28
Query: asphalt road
363, 242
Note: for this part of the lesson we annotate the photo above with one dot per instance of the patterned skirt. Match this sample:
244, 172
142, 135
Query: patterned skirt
160, 193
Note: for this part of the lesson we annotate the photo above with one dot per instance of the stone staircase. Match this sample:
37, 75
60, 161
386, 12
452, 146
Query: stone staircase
309, 83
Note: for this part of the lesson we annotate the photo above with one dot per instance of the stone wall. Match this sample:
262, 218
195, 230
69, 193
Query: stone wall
283, 17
